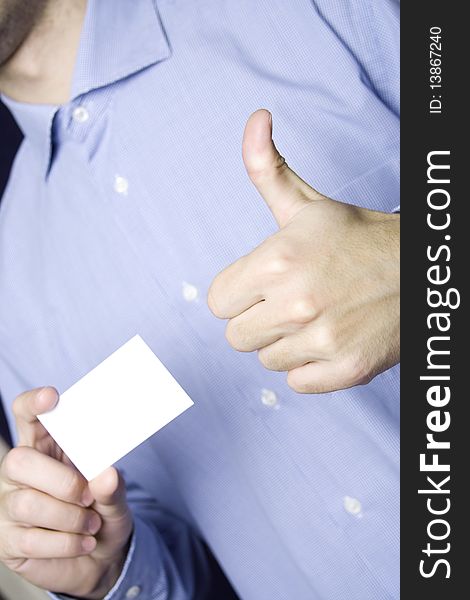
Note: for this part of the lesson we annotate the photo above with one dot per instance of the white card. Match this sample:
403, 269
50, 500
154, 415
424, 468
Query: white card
115, 407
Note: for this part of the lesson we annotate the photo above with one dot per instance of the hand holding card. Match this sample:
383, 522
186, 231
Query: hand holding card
57, 530
54, 525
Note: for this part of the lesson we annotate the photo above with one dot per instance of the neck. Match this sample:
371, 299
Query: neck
40, 71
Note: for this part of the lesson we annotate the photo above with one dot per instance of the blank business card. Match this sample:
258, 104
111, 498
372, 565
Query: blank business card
115, 407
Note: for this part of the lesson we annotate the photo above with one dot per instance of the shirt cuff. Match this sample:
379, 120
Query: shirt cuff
142, 575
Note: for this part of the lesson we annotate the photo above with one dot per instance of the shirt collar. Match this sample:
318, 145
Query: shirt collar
118, 39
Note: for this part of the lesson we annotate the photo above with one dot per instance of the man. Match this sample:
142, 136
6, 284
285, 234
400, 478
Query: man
126, 199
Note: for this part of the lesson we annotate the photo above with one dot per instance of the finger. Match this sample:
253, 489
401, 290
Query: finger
236, 288
302, 346
285, 354
283, 190
30, 468
60, 575
33, 508
32, 542
261, 325
326, 376
109, 492
27, 406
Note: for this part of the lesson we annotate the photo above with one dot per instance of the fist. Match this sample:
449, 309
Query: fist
320, 298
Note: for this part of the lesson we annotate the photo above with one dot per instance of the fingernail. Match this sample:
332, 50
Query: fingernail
87, 497
88, 544
94, 523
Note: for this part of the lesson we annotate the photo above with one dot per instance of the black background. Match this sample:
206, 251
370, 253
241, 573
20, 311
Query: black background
422, 133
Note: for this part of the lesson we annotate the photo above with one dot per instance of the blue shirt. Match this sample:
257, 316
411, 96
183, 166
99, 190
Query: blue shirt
122, 206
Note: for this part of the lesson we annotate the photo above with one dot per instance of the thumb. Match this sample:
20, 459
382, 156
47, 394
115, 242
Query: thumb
109, 492
283, 190
27, 407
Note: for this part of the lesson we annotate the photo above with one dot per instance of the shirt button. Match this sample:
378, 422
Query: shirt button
133, 591
269, 398
352, 506
190, 292
121, 185
80, 114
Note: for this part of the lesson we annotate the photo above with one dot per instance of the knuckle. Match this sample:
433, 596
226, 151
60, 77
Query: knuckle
7, 551
15, 462
235, 336
278, 255
231, 334
20, 403
26, 542
72, 486
280, 162
17, 405
264, 358
296, 383
270, 359
9, 506
69, 545
20, 505
326, 340
15, 564
278, 264
79, 520
356, 370
302, 311
213, 299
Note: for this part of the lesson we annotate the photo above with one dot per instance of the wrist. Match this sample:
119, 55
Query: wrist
385, 235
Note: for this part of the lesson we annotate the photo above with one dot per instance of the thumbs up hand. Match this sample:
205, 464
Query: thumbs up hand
319, 298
